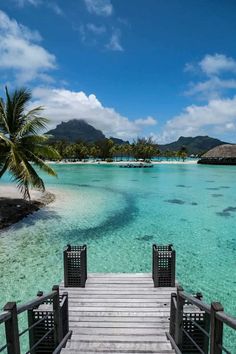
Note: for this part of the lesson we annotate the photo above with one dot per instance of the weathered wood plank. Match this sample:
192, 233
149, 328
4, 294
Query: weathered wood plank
119, 313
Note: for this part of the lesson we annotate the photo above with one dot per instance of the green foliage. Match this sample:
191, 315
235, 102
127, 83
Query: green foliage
107, 150
20, 144
144, 149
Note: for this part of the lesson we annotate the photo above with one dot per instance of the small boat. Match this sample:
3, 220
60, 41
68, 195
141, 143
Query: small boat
136, 165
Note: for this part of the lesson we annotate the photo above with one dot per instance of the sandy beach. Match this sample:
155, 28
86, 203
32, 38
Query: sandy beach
186, 162
14, 208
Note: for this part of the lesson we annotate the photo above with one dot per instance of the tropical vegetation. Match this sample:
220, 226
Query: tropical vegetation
22, 147
106, 149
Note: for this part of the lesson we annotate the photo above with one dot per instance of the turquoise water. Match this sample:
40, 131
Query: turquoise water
119, 213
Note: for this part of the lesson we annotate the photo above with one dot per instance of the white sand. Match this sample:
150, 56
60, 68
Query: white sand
187, 162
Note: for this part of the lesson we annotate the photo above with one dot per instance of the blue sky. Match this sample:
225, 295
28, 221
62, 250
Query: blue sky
129, 67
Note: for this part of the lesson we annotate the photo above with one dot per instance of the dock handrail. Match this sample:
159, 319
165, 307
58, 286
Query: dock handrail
211, 327
10, 319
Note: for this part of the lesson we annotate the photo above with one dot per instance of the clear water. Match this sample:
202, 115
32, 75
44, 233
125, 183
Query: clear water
119, 213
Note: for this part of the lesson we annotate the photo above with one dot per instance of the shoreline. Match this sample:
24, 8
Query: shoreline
14, 208
187, 162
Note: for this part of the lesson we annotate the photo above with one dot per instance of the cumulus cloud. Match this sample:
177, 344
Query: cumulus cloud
217, 64
21, 52
214, 68
218, 116
149, 121
212, 88
99, 7
63, 105
114, 42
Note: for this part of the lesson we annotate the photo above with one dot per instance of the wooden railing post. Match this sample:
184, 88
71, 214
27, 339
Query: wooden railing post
11, 329
57, 316
173, 309
179, 319
65, 314
216, 339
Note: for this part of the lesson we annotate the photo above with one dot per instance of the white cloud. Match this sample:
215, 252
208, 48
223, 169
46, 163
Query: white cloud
217, 64
218, 116
99, 7
211, 88
55, 8
22, 3
96, 29
114, 42
149, 121
63, 105
212, 67
49, 4
21, 53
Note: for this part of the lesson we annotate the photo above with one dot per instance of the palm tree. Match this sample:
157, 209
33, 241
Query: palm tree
21, 147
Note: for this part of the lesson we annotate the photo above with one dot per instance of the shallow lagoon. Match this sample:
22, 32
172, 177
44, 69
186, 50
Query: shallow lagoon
120, 213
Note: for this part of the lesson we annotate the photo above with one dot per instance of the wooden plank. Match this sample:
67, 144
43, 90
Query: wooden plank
122, 338
117, 309
118, 346
105, 318
107, 297
119, 331
118, 313
116, 324
108, 300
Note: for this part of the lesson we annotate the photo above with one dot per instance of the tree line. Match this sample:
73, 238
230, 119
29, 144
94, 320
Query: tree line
142, 148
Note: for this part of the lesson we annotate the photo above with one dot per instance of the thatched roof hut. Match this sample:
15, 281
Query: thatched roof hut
221, 155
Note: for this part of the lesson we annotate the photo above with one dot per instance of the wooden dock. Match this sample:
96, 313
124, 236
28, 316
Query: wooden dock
119, 313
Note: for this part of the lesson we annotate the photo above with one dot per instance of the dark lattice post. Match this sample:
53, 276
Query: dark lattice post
216, 339
75, 266
163, 266
12, 330
195, 328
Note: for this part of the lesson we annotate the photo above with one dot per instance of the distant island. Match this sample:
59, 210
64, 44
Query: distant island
78, 130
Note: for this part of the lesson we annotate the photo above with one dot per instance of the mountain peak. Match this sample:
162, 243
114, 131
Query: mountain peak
75, 130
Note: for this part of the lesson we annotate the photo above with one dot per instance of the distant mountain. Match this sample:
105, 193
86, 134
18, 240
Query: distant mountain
76, 130
79, 130
118, 141
196, 145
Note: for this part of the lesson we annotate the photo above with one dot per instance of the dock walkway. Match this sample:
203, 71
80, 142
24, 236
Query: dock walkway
119, 313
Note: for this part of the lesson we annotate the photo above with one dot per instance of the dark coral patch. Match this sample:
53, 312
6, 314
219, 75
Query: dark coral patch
145, 238
213, 189
175, 201
227, 212
194, 203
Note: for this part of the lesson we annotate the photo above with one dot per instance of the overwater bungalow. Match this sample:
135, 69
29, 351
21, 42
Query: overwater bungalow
221, 155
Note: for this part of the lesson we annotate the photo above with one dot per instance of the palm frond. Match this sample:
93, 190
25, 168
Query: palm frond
41, 164
15, 106
32, 126
46, 151
23, 173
